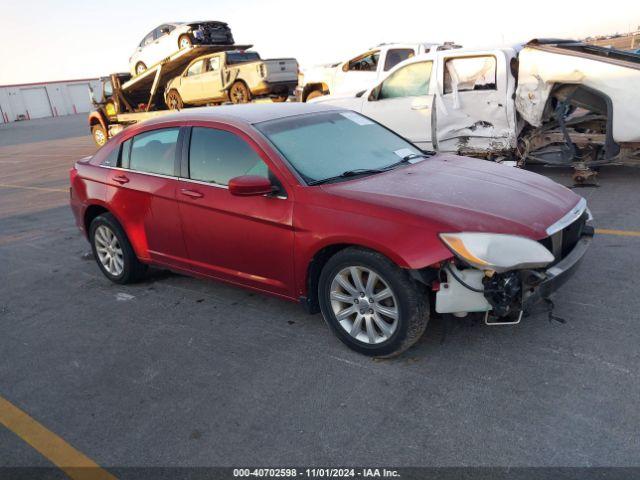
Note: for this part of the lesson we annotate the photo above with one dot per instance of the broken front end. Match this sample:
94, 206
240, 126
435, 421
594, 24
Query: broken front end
504, 276
580, 106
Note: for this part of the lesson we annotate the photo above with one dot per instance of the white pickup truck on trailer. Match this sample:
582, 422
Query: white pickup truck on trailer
549, 101
360, 70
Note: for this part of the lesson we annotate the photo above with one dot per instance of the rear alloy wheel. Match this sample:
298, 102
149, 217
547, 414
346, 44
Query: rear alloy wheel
279, 98
174, 100
113, 252
371, 304
184, 42
140, 68
99, 135
239, 93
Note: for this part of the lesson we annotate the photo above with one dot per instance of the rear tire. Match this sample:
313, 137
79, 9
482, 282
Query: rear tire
113, 252
184, 42
174, 100
280, 98
382, 314
239, 93
99, 135
140, 68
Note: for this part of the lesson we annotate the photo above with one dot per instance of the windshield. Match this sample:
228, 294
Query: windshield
320, 146
242, 57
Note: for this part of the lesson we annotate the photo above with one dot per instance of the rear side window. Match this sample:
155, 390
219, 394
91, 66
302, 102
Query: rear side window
470, 73
397, 55
409, 81
216, 156
111, 160
152, 152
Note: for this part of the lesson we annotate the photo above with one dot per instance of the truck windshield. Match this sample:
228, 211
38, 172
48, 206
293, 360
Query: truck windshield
322, 146
242, 57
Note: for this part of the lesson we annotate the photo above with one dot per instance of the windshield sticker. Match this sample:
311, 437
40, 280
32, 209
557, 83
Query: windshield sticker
355, 118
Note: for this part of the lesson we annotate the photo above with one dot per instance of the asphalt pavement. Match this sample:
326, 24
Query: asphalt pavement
176, 371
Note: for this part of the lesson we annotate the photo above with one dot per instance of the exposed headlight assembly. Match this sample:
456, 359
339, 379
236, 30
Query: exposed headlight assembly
498, 252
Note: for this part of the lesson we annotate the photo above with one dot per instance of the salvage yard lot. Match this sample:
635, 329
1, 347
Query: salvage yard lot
182, 372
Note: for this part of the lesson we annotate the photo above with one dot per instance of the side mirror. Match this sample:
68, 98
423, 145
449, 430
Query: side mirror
360, 93
250, 185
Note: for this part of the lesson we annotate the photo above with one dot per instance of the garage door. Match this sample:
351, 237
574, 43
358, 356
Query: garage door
79, 93
37, 102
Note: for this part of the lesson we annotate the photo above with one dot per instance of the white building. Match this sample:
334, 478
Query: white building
45, 99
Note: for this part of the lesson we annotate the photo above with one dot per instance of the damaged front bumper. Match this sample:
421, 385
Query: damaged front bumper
506, 296
553, 278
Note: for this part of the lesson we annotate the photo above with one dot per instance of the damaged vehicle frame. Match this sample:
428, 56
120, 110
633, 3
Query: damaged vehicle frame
551, 101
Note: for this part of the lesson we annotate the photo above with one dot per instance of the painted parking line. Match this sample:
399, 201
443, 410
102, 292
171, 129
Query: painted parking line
72, 462
621, 233
26, 187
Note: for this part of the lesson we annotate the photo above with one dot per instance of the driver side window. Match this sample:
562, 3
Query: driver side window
147, 40
195, 69
365, 63
409, 81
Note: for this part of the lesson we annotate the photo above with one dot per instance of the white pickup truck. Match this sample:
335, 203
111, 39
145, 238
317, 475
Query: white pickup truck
550, 101
360, 70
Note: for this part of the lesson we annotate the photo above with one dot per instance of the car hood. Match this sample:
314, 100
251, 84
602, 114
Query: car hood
454, 194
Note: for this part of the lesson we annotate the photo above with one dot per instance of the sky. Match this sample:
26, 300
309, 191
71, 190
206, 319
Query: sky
58, 40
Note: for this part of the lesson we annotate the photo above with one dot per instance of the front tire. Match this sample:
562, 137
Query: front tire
113, 251
371, 304
99, 135
239, 93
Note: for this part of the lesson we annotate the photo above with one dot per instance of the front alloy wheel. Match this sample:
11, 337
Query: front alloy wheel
372, 305
364, 305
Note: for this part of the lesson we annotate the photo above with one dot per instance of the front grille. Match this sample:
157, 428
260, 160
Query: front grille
563, 241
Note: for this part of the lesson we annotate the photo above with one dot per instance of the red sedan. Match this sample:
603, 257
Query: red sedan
326, 207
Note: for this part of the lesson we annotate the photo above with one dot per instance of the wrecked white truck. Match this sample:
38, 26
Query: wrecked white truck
549, 101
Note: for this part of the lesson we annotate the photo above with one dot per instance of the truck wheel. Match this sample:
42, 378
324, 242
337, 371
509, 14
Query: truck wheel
372, 305
239, 93
99, 134
314, 94
140, 68
174, 100
280, 98
184, 42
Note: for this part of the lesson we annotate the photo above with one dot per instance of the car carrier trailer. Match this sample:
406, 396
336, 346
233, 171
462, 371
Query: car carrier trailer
124, 100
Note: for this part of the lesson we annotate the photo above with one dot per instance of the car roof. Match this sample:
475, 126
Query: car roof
249, 113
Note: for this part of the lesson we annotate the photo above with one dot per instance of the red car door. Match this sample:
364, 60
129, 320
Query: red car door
142, 193
245, 240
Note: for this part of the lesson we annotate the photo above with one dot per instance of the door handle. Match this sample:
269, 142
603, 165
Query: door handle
191, 193
122, 179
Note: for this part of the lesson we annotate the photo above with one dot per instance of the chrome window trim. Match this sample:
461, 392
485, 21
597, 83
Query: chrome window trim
184, 179
575, 213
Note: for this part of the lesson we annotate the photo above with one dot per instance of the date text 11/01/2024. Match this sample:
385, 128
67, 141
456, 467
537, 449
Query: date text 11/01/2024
316, 472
